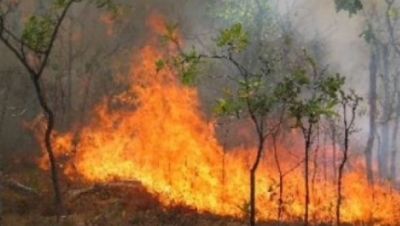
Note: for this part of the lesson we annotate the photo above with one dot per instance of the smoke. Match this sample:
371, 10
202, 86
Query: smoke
104, 48
344, 51
333, 36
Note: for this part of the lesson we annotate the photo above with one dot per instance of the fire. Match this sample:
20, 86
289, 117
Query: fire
154, 132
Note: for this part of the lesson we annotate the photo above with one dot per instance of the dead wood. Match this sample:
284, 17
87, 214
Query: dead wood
17, 186
98, 187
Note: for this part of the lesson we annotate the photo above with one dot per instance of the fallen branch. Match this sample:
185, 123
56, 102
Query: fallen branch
75, 194
17, 186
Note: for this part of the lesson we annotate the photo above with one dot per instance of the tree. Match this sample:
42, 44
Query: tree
315, 96
33, 48
380, 34
346, 101
305, 96
372, 113
253, 99
2, 116
261, 93
390, 16
384, 58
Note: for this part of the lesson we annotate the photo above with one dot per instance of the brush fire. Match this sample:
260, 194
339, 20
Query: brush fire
156, 133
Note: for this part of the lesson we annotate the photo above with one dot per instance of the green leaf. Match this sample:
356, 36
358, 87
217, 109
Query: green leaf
37, 32
189, 75
351, 6
393, 13
301, 77
233, 37
226, 106
187, 64
60, 3
160, 64
368, 34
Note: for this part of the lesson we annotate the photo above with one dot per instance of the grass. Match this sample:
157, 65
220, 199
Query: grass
111, 206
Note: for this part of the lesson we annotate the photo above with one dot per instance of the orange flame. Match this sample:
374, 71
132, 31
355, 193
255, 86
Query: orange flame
154, 133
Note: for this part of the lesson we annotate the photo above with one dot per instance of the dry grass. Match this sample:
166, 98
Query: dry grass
108, 206
117, 206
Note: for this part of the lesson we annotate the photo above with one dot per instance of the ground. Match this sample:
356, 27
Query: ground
118, 203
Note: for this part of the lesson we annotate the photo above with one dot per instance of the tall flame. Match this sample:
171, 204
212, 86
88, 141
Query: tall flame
154, 133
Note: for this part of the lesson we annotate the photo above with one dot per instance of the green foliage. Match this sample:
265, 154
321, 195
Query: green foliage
60, 3
37, 32
225, 106
304, 93
351, 6
330, 85
250, 14
189, 71
170, 34
300, 76
160, 64
252, 95
233, 37
185, 62
393, 13
368, 34
320, 99
38, 29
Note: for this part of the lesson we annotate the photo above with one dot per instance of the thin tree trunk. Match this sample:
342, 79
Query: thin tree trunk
334, 152
307, 135
253, 181
341, 167
47, 141
351, 101
278, 165
339, 184
315, 162
69, 78
393, 162
223, 180
36, 73
396, 49
372, 114
324, 157
385, 144
2, 115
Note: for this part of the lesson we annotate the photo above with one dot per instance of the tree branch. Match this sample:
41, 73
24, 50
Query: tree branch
53, 38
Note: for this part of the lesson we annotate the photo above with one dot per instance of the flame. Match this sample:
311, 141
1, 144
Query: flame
154, 132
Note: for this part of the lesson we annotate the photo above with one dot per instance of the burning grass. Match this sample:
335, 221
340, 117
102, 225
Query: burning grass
113, 204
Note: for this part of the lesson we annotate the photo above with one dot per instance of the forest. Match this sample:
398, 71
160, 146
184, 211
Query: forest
191, 112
